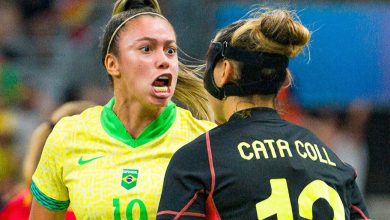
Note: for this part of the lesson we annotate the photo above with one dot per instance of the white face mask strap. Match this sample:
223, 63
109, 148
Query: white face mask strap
125, 21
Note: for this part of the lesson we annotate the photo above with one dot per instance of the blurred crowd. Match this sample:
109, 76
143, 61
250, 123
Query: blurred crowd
49, 55
343, 130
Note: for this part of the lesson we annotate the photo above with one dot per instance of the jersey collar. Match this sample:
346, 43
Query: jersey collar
114, 127
256, 113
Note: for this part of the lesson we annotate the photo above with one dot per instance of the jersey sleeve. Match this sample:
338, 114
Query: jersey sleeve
186, 183
47, 185
358, 208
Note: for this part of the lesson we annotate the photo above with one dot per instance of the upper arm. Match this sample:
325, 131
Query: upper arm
47, 182
40, 212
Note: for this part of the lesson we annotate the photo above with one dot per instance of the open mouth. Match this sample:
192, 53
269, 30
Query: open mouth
162, 83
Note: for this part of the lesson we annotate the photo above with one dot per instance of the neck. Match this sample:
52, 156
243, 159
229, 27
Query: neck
134, 116
234, 104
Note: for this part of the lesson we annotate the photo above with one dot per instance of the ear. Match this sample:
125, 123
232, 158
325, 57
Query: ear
228, 72
112, 65
288, 81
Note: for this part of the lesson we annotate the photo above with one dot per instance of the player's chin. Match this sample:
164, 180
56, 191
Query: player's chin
160, 102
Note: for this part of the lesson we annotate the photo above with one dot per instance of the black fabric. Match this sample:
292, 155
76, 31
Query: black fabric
265, 60
251, 81
243, 182
214, 54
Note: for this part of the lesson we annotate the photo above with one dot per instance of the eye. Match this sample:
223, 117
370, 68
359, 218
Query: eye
146, 49
171, 51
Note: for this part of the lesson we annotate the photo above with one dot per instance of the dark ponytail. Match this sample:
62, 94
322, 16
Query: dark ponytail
125, 5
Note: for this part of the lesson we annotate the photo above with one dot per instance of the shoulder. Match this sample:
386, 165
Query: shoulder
307, 139
186, 119
301, 132
68, 126
193, 153
88, 116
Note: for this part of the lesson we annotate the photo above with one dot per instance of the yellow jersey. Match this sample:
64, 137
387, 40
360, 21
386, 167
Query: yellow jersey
92, 163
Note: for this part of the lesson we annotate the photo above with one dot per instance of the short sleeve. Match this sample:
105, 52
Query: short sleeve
358, 207
47, 185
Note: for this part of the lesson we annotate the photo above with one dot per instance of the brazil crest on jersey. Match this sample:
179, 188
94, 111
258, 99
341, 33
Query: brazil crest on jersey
91, 161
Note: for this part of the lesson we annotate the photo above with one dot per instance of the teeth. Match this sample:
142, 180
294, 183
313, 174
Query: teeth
163, 77
161, 89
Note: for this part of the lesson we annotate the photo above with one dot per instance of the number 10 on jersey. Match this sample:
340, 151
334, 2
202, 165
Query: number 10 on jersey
143, 215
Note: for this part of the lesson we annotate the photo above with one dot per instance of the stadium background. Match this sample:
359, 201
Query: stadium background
49, 54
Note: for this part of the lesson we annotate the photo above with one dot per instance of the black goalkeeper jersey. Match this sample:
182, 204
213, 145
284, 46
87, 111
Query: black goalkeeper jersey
259, 167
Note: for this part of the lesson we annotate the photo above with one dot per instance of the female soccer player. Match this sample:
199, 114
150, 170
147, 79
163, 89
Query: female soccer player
109, 161
256, 165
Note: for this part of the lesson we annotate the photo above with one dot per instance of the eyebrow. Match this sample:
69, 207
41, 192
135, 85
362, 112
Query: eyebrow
154, 40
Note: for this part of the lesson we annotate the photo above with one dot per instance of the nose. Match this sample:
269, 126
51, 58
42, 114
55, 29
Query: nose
163, 60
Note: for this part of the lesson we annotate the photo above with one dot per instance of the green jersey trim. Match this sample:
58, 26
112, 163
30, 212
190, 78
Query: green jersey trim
114, 127
46, 201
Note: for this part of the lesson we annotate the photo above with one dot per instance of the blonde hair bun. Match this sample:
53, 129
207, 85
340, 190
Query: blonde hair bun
274, 31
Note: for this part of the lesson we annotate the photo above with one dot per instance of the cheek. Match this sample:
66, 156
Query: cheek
175, 66
175, 74
135, 77
138, 72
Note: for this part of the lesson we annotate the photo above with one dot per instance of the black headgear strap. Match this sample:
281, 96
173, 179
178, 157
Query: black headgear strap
251, 81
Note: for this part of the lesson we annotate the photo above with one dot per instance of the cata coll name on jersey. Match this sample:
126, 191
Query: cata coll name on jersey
272, 149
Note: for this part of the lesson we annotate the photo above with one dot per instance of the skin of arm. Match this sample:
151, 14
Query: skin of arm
40, 212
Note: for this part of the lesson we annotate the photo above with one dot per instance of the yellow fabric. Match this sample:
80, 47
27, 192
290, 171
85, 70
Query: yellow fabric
94, 188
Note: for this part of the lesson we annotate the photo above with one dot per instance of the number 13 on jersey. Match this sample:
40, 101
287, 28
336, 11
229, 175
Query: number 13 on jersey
279, 202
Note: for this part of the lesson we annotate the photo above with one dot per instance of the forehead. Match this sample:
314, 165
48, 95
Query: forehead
148, 26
